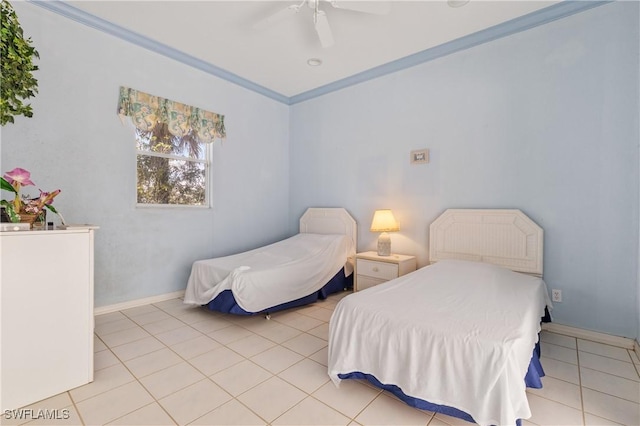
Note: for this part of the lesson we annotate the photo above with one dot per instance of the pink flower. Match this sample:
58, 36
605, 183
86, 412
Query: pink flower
47, 197
17, 177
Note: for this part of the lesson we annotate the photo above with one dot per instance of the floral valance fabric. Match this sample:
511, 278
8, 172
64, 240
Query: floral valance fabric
147, 110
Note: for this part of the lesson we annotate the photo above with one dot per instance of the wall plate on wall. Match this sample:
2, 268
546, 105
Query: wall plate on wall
420, 156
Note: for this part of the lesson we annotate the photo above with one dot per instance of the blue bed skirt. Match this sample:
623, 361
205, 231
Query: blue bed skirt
225, 302
532, 380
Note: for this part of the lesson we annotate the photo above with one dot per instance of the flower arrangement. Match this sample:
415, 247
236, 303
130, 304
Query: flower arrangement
12, 181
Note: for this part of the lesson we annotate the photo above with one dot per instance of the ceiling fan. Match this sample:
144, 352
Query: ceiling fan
320, 21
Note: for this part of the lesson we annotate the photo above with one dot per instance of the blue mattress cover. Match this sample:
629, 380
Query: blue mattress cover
532, 380
225, 302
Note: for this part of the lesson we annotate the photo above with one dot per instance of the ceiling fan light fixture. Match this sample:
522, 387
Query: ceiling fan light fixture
314, 62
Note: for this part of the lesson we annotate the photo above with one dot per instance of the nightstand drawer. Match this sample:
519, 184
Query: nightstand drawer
380, 270
366, 282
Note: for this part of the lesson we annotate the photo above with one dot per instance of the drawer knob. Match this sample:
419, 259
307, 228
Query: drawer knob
375, 269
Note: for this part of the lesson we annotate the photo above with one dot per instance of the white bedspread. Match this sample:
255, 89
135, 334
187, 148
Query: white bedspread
273, 274
455, 333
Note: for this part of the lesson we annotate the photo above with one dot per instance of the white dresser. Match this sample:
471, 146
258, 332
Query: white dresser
46, 314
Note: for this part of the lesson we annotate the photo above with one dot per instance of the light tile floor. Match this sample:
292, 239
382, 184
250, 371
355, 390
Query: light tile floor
168, 363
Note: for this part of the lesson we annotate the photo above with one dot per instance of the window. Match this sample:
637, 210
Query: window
173, 148
171, 170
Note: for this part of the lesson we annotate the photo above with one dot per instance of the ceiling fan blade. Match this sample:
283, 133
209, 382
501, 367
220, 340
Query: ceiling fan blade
373, 7
323, 29
457, 3
282, 14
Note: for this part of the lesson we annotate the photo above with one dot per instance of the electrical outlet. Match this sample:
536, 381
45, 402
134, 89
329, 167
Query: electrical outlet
556, 295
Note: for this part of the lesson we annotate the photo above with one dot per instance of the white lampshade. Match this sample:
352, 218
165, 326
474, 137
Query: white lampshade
383, 221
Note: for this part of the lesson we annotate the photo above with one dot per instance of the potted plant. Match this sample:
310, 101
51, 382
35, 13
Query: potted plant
23, 208
16, 67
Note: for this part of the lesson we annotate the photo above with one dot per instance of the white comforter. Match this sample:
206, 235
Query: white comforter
273, 274
455, 333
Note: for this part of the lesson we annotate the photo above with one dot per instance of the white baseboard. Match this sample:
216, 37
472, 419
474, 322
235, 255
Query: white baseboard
594, 336
138, 302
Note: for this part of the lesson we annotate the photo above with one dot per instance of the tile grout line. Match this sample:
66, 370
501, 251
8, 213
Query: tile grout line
305, 357
155, 400
584, 411
223, 345
124, 316
605, 356
351, 419
613, 375
136, 379
175, 313
278, 374
584, 414
636, 366
581, 386
594, 354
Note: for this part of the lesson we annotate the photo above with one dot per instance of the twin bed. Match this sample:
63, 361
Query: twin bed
459, 336
296, 271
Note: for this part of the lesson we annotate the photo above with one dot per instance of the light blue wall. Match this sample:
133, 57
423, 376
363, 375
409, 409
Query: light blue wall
545, 120
76, 142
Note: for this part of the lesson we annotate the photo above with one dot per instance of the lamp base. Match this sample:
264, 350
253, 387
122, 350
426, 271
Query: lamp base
384, 245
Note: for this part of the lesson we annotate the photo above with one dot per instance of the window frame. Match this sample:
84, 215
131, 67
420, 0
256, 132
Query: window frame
207, 161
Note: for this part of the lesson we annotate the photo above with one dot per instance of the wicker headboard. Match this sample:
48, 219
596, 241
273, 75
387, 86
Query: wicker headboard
331, 220
507, 238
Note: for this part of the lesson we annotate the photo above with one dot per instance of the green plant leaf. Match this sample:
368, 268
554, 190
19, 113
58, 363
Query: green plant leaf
16, 67
50, 207
4, 184
10, 211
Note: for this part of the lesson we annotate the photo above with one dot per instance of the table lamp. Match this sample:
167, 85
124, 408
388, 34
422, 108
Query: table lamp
383, 221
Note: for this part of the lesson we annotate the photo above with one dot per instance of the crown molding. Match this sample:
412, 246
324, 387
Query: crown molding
71, 12
543, 16
523, 23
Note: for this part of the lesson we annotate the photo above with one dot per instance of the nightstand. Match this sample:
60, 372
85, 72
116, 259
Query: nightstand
372, 269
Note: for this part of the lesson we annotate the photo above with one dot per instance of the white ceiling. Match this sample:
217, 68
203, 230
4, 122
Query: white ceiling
221, 33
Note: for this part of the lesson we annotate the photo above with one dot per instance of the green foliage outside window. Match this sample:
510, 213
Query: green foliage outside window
171, 169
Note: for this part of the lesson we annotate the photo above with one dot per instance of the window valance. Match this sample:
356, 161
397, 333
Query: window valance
146, 110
